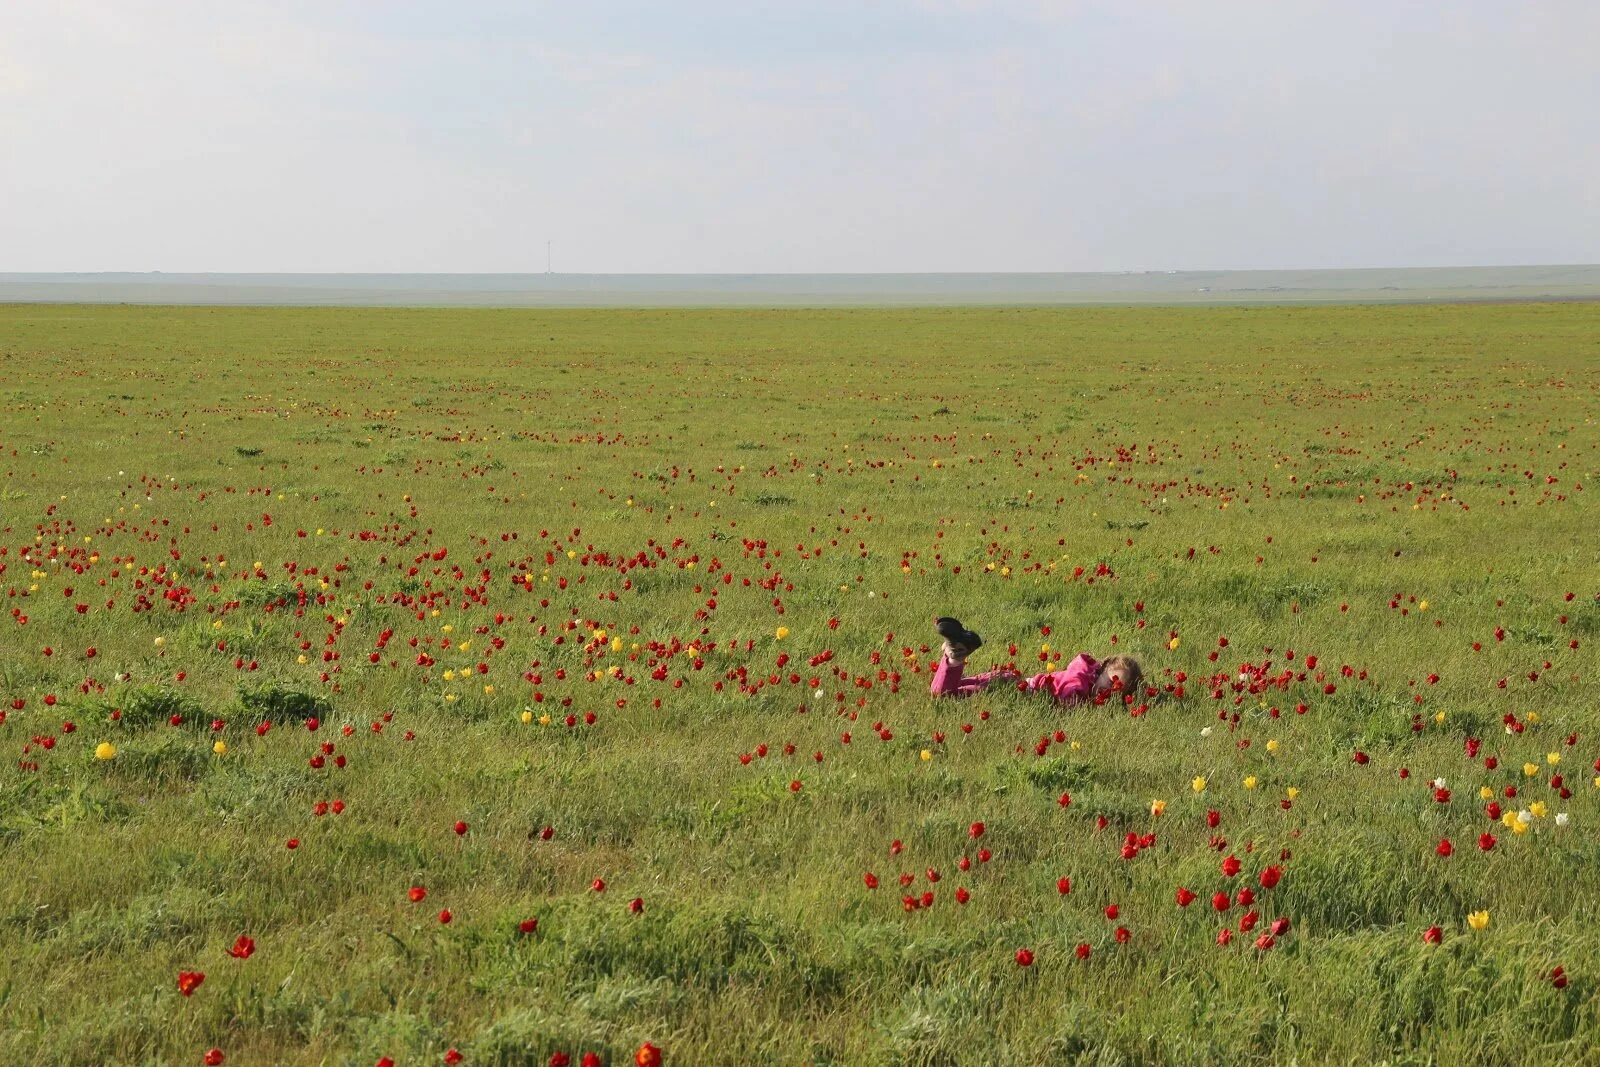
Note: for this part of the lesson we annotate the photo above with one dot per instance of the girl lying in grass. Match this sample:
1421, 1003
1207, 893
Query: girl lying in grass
1084, 679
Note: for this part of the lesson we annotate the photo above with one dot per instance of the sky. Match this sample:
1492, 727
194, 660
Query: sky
794, 136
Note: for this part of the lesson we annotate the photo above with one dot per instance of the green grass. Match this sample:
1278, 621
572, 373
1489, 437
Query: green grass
515, 481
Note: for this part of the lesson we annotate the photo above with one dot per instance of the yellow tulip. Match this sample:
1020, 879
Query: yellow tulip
1198, 785
1157, 807
1478, 920
1553, 758
1250, 782
105, 750
527, 717
1530, 769
1272, 746
926, 754
782, 632
1173, 644
220, 748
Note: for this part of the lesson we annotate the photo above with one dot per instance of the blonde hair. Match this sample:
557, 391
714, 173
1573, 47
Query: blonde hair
1127, 669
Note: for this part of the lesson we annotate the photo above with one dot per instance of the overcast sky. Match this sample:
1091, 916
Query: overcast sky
742, 136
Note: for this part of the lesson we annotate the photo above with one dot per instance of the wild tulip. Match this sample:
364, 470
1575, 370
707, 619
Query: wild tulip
189, 981
1184, 897
1024, 957
243, 948
1221, 901
1063, 886
213, 1057
1433, 935
1082, 951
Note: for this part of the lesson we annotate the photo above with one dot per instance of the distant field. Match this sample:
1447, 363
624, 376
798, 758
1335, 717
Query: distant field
1354, 548
1166, 287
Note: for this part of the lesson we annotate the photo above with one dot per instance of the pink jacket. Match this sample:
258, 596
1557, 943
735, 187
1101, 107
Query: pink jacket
1072, 685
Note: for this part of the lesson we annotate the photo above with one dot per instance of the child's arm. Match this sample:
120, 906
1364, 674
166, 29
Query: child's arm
1076, 683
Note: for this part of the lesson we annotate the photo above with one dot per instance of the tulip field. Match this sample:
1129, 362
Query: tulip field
530, 687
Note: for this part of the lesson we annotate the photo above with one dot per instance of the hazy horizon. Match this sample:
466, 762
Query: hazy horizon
1366, 285
930, 136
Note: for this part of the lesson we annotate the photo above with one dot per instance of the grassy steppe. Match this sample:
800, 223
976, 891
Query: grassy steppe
1345, 543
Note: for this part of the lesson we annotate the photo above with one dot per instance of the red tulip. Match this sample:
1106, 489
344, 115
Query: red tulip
460, 828
1444, 848
647, 1056
1024, 957
1082, 951
1063, 886
1231, 866
528, 926
445, 916
213, 1057
976, 830
870, 879
1432, 935
1185, 897
189, 981
1220, 901
1486, 841
243, 948
417, 894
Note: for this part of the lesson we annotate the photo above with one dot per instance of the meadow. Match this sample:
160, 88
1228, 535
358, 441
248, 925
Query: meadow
498, 686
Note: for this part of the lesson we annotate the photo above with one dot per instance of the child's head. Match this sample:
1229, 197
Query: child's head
1119, 674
